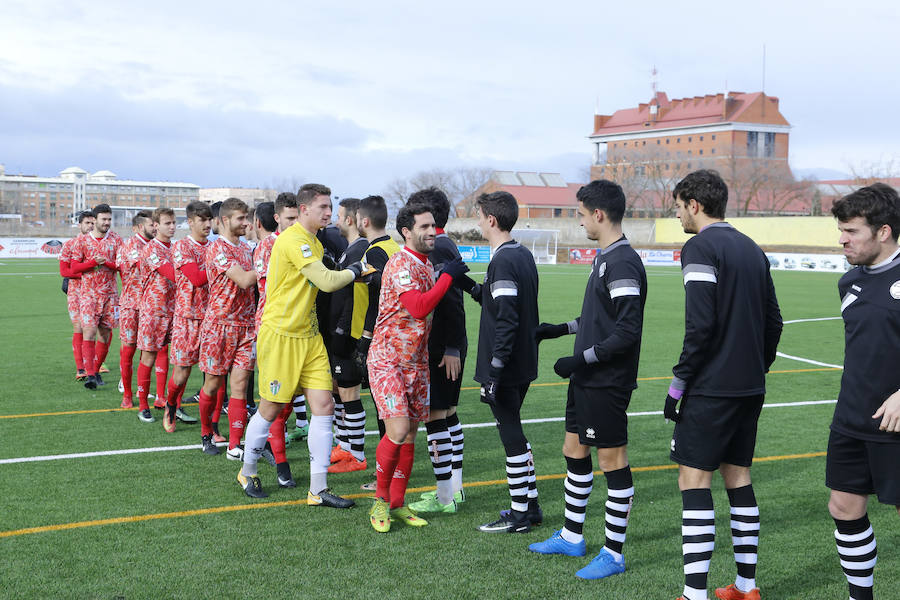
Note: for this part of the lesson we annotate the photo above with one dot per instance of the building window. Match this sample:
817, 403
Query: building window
689, 139
713, 137
678, 141
770, 145
701, 138
644, 143
713, 151
701, 151
667, 140
752, 143
657, 142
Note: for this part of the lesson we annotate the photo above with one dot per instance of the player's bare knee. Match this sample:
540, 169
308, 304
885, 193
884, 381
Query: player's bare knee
734, 476
612, 459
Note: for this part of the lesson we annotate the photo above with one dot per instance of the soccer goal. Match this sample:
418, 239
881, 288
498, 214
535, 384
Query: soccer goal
541, 242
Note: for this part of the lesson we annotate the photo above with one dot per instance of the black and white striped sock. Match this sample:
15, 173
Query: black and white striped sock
579, 482
858, 553
517, 469
299, 404
532, 477
698, 538
340, 431
440, 450
355, 428
744, 535
457, 439
619, 497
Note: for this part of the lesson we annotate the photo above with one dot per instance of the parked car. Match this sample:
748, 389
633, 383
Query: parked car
790, 263
807, 263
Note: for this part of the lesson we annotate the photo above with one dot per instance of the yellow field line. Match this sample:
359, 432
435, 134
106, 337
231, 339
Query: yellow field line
545, 384
301, 502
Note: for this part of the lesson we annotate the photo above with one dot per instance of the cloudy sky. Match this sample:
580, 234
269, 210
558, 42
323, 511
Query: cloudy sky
354, 94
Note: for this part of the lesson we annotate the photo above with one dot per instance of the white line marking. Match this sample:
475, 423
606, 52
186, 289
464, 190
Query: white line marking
812, 320
41, 273
809, 361
649, 413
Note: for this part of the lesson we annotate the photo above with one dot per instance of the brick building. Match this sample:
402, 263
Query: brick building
540, 195
52, 201
252, 196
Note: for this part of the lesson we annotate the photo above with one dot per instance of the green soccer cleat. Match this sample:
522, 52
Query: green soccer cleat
433, 505
407, 516
299, 433
379, 516
458, 497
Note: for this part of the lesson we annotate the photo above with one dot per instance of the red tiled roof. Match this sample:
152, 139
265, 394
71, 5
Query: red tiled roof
681, 112
532, 195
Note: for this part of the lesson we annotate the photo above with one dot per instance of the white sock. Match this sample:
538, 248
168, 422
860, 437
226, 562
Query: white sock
456, 480
444, 491
254, 441
319, 444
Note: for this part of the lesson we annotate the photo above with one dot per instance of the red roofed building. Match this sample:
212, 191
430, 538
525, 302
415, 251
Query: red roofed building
540, 195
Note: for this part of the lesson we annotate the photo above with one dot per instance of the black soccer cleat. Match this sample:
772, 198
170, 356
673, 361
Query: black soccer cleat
535, 515
99, 380
251, 485
184, 417
285, 479
90, 382
509, 522
208, 446
328, 498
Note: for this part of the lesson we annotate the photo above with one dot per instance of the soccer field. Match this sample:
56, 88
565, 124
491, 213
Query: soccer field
166, 521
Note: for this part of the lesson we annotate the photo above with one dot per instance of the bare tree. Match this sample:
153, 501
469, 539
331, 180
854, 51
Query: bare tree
458, 183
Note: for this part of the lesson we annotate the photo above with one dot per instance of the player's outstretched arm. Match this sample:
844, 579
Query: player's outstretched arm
243, 279
549, 331
325, 279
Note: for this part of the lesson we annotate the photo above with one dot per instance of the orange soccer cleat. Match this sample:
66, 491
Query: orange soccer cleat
732, 593
346, 466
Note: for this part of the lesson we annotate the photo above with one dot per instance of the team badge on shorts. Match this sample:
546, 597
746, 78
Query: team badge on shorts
390, 401
589, 432
306, 250
895, 290
274, 387
221, 259
404, 278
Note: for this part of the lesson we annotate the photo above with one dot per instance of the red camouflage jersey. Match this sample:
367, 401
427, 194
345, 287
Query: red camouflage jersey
229, 304
399, 337
67, 255
128, 260
190, 301
101, 280
157, 292
261, 255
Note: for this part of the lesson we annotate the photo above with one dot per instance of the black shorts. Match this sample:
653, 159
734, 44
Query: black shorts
597, 415
444, 392
345, 372
863, 467
715, 430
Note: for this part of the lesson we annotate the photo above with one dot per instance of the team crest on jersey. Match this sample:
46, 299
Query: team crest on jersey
602, 270
153, 258
177, 255
221, 259
895, 290
306, 250
259, 264
404, 278
274, 387
133, 255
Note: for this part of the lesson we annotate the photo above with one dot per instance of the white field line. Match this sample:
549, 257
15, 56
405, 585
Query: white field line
29, 274
812, 320
808, 361
649, 413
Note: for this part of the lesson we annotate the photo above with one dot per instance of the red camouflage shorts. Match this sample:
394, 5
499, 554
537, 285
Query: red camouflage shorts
185, 342
400, 390
74, 305
128, 325
99, 311
226, 347
154, 333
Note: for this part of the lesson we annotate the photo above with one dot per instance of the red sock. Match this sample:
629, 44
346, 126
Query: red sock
77, 341
162, 371
276, 434
100, 351
126, 368
143, 385
401, 475
387, 454
171, 392
237, 419
220, 401
87, 357
206, 405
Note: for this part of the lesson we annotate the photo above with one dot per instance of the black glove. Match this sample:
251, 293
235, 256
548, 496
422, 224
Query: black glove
549, 331
465, 283
489, 388
362, 353
454, 268
358, 267
670, 410
329, 263
567, 365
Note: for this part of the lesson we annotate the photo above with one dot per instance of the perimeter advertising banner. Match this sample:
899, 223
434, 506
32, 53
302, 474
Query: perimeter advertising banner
585, 256
779, 261
31, 247
475, 254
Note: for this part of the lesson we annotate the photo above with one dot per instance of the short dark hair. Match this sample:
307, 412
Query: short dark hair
198, 209
437, 200
141, 216
502, 206
215, 207
878, 203
350, 206
374, 208
706, 187
308, 191
604, 195
84, 214
233, 205
162, 210
407, 215
265, 214
285, 200
101, 209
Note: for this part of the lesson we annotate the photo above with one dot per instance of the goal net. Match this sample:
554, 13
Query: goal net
541, 242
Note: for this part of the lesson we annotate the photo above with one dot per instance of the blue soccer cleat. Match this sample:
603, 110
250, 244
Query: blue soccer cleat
602, 566
556, 544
